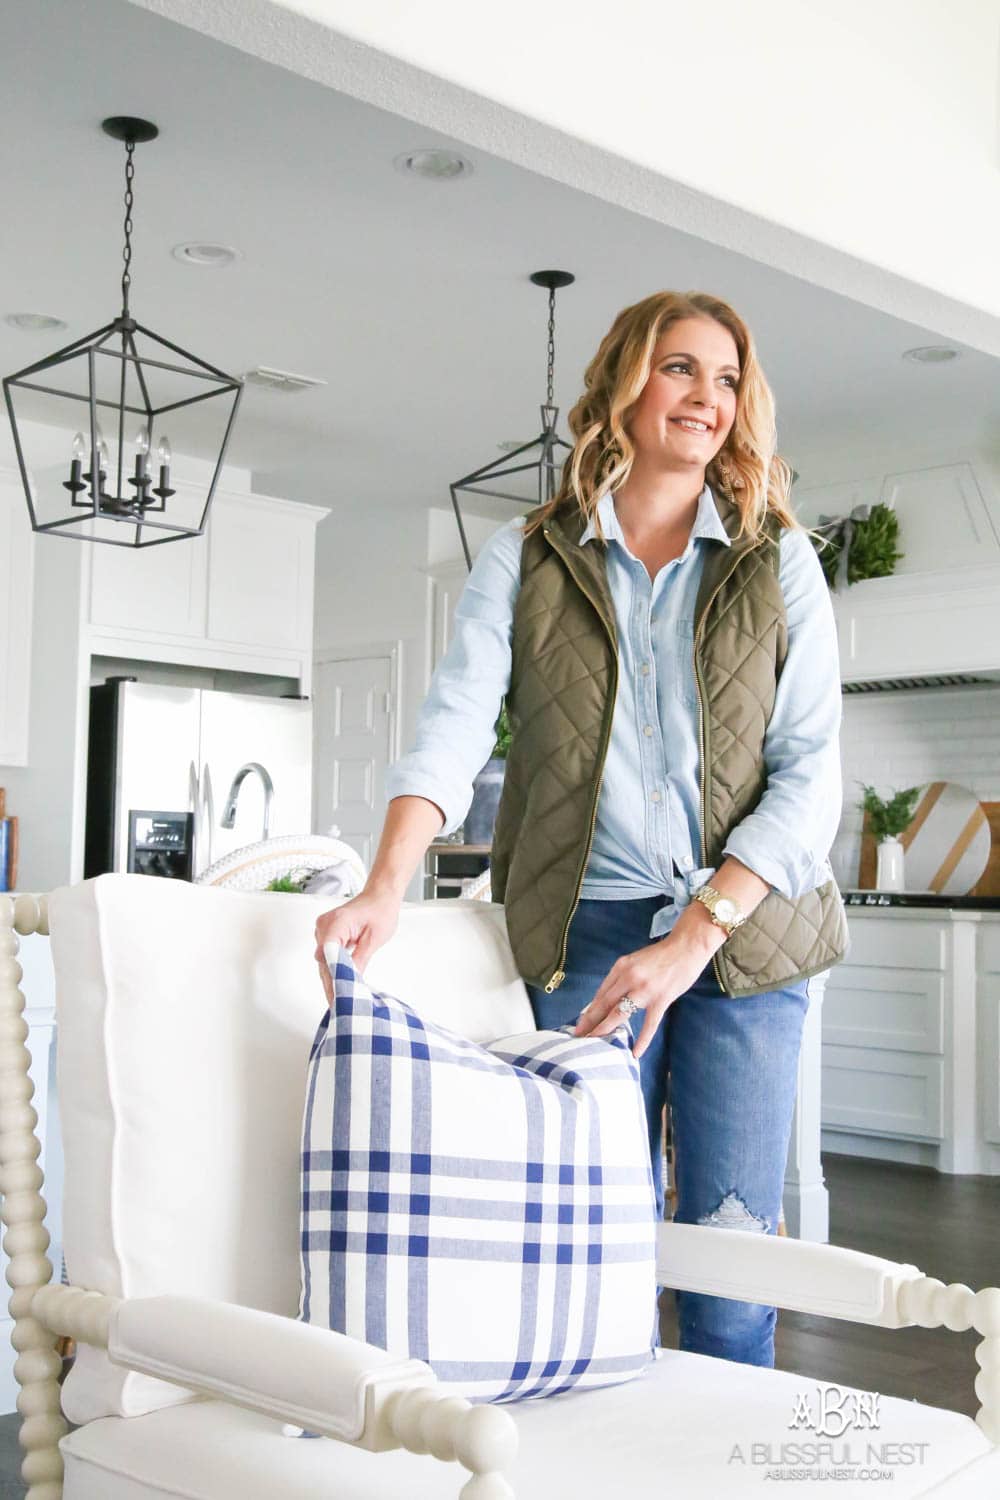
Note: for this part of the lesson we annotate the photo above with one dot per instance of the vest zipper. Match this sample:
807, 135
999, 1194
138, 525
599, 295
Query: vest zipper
703, 747
560, 973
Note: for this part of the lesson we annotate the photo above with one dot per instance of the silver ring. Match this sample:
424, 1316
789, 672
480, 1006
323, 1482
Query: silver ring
627, 1006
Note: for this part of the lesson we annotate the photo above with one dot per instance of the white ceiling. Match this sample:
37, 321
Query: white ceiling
411, 299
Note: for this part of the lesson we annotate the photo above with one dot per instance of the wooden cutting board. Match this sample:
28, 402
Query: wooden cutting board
988, 883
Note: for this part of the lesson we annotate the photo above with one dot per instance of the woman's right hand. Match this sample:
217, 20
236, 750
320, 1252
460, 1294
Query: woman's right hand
361, 926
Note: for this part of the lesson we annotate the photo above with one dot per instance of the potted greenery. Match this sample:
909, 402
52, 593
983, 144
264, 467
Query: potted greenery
488, 785
887, 820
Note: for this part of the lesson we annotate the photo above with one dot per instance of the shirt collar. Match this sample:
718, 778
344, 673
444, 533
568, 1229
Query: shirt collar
707, 521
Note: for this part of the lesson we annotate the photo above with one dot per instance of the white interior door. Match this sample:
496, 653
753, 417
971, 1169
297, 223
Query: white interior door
354, 724
275, 732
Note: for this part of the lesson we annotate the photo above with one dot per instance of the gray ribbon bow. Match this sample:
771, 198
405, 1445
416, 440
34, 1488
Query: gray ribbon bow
840, 530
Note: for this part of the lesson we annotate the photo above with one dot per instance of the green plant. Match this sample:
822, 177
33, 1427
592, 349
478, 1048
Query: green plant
873, 554
889, 819
294, 884
503, 733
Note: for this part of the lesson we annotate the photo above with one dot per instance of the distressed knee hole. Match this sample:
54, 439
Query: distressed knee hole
732, 1213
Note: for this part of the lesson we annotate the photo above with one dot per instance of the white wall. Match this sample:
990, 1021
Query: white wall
371, 585
444, 545
45, 794
852, 143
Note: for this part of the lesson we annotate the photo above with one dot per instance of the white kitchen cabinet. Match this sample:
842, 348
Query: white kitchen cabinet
160, 589
16, 574
883, 1092
260, 572
989, 1023
909, 1057
241, 596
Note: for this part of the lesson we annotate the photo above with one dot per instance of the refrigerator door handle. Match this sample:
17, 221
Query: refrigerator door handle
194, 801
208, 803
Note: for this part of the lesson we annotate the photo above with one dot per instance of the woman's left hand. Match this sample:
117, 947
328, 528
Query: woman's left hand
654, 977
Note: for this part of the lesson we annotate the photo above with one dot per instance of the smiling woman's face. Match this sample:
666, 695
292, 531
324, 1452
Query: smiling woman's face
694, 373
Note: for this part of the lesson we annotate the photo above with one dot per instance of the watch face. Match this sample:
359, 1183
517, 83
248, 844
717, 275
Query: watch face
726, 910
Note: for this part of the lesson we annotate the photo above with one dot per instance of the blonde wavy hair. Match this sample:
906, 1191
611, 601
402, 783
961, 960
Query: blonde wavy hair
747, 469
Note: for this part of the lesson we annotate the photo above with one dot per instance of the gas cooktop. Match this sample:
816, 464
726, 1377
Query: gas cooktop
920, 898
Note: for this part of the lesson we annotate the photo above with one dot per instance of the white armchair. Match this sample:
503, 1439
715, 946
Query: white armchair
185, 1017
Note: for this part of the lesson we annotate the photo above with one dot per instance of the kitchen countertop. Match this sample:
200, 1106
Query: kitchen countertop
924, 913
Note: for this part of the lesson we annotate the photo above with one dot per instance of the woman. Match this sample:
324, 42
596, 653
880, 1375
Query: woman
665, 639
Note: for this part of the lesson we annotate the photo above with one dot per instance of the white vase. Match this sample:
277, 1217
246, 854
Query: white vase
889, 874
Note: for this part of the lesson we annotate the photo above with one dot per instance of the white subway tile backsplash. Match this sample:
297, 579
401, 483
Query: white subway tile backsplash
908, 738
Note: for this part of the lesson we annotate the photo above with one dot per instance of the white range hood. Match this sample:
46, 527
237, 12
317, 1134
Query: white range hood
920, 629
936, 620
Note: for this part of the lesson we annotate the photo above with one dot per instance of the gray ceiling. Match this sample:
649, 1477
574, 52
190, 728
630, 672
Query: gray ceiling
410, 298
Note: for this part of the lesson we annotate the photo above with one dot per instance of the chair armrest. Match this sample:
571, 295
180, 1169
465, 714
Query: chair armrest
794, 1274
833, 1283
290, 1371
322, 1381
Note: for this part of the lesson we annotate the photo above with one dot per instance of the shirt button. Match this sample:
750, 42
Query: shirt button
654, 797
647, 729
644, 669
686, 862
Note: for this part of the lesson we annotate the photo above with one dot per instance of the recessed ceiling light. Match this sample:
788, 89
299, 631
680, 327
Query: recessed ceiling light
434, 163
204, 253
932, 354
30, 322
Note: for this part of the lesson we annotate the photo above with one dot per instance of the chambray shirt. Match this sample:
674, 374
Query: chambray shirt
646, 838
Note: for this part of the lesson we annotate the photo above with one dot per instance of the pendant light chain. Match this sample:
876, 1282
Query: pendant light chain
518, 477
127, 253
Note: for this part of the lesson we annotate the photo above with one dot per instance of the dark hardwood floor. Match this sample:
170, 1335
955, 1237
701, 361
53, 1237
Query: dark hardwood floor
948, 1226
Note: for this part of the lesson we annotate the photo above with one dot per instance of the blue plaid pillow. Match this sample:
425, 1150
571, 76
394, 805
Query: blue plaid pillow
486, 1209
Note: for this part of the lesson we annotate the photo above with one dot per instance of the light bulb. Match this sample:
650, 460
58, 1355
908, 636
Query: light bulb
79, 446
163, 451
142, 440
102, 452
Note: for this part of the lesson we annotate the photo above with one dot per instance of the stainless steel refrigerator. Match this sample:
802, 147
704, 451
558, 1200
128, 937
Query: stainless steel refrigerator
167, 767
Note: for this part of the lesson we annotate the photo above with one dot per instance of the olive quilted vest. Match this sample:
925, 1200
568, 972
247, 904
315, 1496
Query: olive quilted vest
564, 681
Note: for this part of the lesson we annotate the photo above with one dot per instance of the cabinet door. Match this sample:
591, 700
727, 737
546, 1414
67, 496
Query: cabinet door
159, 589
259, 575
16, 574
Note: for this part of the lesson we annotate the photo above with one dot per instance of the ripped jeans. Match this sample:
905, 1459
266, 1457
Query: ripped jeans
729, 1070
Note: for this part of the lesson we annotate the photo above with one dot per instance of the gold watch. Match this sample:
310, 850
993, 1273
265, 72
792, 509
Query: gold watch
724, 911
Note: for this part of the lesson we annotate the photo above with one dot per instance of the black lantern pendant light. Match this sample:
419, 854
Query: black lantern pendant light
515, 477
131, 378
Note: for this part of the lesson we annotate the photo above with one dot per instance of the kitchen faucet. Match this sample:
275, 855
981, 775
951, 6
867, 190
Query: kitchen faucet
229, 813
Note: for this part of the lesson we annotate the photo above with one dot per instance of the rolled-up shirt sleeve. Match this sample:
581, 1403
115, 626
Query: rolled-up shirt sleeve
456, 726
787, 838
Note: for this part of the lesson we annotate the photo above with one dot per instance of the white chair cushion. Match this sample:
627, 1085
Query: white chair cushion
671, 1433
185, 1018
488, 1210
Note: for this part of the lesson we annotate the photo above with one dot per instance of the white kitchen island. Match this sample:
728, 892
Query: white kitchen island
911, 1039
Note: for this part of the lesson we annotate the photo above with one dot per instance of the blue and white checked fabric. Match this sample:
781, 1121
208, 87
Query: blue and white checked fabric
487, 1210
